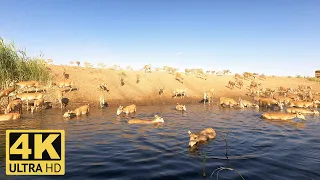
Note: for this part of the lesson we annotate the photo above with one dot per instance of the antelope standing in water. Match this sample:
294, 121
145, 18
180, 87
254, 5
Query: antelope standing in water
82, 110
128, 109
208, 95
181, 107
37, 104
228, 102
29, 97
62, 100
14, 105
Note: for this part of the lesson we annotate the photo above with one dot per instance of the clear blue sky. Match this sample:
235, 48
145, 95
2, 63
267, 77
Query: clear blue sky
280, 37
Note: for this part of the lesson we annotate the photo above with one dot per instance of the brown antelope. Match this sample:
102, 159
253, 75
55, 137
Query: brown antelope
208, 96
262, 76
65, 75
226, 72
128, 109
303, 104
181, 92
254, 91
239, 83
179, 77
219, 73
281, 116
62, 100
171, 70
254, 84
9, 116
6, 92
66, 83
28, 84
103, 87
231, 84
285, 100
268, 102
302, 111
138, 78
293, 97
237, 76
187, 71
37, 104
247, 75
161, 91
147, 68
157, 119
202, 137
256, 99
227, 101
239, 106
246, 103
82, 110
307, 95
121, 81
202, 76
181, 107
29, 97
13, 105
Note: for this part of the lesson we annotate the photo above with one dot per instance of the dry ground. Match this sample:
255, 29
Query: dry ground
146, 91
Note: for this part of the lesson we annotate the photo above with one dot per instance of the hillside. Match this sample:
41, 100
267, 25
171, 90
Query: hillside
146, 91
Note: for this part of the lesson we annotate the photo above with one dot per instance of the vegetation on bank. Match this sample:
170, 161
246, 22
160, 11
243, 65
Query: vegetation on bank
15, 65
313, 79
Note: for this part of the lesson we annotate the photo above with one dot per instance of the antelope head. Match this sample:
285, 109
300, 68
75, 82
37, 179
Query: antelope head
119, 110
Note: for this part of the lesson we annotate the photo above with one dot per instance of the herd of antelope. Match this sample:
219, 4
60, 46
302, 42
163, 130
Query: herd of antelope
296, 101
20, 92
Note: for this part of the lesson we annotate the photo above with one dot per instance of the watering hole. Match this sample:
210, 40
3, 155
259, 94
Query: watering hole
104, 146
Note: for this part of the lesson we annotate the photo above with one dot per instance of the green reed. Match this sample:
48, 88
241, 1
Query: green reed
15, 65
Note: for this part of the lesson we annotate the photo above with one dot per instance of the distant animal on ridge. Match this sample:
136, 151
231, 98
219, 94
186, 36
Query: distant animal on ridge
161, 91
231, 84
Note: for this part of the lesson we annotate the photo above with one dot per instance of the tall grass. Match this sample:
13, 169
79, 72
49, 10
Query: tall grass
16, 66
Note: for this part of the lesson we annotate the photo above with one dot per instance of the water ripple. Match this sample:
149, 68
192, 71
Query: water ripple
103, 146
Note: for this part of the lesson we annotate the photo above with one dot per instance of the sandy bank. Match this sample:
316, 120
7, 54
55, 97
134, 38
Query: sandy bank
146, 91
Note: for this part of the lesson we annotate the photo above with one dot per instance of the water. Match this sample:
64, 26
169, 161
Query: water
104, 146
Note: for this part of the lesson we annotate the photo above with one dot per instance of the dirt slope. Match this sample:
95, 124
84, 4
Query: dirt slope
146, 91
